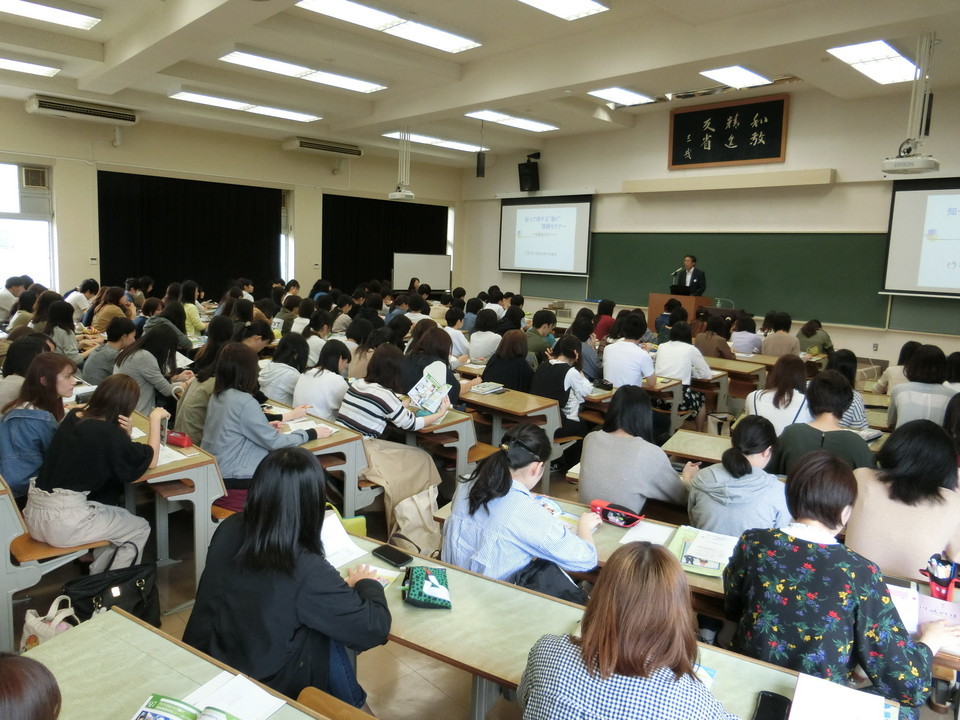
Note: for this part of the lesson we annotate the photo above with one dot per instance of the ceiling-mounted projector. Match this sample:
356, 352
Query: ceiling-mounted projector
910, 164
401, 193
909, 159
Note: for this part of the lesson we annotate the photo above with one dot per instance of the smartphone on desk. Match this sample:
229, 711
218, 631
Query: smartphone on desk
390, 554
771, 706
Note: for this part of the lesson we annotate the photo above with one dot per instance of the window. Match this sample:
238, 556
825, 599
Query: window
26, 225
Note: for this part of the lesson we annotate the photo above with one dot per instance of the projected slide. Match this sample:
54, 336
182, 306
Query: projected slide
546, 238
940, 249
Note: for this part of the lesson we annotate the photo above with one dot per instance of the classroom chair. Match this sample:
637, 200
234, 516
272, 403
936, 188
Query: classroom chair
356, 525
23, 561
327, 705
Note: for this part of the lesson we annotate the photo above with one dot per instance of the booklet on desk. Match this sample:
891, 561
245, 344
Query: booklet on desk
702, 552
159, 707
429, 392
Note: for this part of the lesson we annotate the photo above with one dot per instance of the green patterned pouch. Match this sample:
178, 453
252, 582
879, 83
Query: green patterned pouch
426, 587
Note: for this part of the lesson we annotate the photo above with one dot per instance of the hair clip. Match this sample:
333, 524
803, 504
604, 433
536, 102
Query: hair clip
505, 447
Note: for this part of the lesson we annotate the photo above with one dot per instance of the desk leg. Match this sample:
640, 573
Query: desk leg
723, 393
496, 429
482, 697
162, 518
675, 421
761, 378
466, 439
355, 462
207, 487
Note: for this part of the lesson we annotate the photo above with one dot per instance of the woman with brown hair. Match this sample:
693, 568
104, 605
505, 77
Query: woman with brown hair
70, 505
114, 304
783, 401
508, 365
636, 652
28, 690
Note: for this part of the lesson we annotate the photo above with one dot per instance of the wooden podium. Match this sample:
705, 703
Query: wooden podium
690, 303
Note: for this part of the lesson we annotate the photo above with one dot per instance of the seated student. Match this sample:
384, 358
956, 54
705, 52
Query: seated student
679, 359
910, 508
189, 296
133, 291
60, 329
497, 527
625, 362
745, 338
28, 422
239, 311
256, 335
495, 302
544, 321
434, 345
781, 342
783, 401
923, 396
288, 313
845, 363
316, 333
114, 304
344, 318
893, 375
360, 358
483, 340
121, 334
370, 310
192, 405
29, 690
513, 319
88, 314
13, 288
439, 310
20, 354
151, 362
678, 314
41, 308
320, 287
24, 314
172, 316
635, 654
279, 377
400, 327
269, 602
151, 307
460, 346
356, 334
766, 327
953, 372
321, 388
473, 306
403, 471
219, 333
664, 317
399, 307
418, 309
737, 494
560, 378
829, 395
236, 431
70, 503
813, 339
713, 342
292, 287
603, 320
582, 329
508, 365
613, 456
228, 303
845, 617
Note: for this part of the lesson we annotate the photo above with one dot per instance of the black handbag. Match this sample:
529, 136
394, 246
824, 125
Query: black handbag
133, 589
549, 578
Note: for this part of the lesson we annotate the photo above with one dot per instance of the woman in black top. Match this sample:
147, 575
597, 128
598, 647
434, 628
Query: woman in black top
508, 365
269, 602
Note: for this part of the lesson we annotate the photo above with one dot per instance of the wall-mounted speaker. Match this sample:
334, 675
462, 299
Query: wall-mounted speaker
529, 172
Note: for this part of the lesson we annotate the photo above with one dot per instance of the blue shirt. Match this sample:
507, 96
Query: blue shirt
500, 540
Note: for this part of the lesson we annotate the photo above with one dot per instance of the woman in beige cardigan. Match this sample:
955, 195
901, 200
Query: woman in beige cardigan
114, 304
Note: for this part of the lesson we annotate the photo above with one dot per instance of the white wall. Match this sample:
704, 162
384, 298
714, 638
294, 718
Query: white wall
849, 136
77, 150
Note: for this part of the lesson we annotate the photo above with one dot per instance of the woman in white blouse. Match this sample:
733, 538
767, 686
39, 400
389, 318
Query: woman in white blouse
679, 359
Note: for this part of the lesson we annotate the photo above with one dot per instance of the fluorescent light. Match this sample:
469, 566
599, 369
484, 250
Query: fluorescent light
281, 113
60, 13
736, 77
877, 60
244, 106
342, 81
621, 96
503, 119
427, 140
258, 62
431, 37
385, 22
281, 67
567, 9
23, 66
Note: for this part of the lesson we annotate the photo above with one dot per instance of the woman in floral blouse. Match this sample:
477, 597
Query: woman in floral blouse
804, 601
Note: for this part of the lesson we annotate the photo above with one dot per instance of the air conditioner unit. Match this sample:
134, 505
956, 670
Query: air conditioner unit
33, 178
323, 147
62, 107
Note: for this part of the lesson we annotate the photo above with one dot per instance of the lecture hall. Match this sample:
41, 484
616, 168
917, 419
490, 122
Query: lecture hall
168, 167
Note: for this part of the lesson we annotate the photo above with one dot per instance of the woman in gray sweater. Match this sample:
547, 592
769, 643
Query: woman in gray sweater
151, 361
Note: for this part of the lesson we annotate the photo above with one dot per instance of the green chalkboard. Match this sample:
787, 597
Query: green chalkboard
935, 315
834, 277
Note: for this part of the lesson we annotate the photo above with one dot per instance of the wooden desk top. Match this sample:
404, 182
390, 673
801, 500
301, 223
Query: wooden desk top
697, 445
512, 402
876, 400
471, 370
662, 383
188, 463
451, 419
770, 360
877, 418
736, 366
341, 436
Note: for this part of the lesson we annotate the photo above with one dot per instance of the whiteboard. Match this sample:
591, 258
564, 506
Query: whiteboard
431, 269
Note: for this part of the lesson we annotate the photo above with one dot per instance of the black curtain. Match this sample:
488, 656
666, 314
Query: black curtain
175, 230
360, 236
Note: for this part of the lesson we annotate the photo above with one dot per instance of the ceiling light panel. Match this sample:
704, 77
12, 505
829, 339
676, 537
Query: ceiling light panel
736, 77
621, 96
567, 9
878, 61
53, 11
228, 104
25, 66
288, 69
510, 120
393, 25
438, 142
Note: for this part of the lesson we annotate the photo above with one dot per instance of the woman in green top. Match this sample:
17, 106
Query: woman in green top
814, 339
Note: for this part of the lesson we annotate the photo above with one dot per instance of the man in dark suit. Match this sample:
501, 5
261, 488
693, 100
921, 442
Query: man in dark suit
692, 278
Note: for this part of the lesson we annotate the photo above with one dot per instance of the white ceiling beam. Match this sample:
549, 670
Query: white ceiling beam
49, 43
174, 32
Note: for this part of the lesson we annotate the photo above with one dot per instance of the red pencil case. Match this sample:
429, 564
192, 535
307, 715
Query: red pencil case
179, 439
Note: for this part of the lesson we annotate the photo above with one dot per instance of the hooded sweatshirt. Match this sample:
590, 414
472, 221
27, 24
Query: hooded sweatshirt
278, 380
724, 504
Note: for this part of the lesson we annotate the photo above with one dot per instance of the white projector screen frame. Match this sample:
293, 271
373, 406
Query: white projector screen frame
546, 235
431, 269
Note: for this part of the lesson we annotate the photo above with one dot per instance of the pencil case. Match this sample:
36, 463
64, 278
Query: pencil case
426, 587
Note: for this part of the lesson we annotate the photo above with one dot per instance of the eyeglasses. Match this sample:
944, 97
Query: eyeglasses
615, 514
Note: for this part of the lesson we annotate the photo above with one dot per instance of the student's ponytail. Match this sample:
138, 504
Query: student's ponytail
522, 444
752, 435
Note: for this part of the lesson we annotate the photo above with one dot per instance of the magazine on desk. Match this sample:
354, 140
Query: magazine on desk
429, 392
702, 552
225, 697
160, 707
